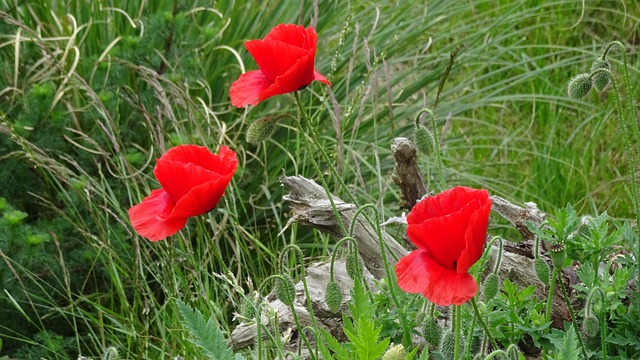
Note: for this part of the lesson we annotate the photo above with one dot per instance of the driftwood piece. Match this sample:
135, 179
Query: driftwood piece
310, 206
407, 175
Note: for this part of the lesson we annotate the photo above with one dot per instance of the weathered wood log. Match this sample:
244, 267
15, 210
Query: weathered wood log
407, 175
311, 206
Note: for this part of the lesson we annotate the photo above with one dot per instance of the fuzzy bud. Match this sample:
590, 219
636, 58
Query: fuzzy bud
261, 130
491, 286
424, 140
542, 270
447, 348
354, 265
248, 309
395, 353
590, 326
600, 80
333, 296
432, 332
557, 253
579, 86
285, 289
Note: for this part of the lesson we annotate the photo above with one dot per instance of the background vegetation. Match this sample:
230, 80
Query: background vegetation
91, 92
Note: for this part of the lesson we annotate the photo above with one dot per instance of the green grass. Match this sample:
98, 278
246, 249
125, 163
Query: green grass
92, 93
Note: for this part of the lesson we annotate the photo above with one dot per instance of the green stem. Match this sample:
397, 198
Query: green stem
305, 125
474, 304
603, 323
303, 277
456, 314
552, 288
406, 336
467, 344
573, 317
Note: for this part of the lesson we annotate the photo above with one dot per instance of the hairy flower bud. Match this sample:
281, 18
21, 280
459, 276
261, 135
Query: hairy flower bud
249, 308
590, 326
447, 348
354, 265
491, 286
285, 289
333, 296
542, 270
579, 86
261, 130
395, 353
432, 332
601, 79
424, 140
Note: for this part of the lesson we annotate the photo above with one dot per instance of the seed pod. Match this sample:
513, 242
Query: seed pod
542, 270
333, 296
579, 86
557, 253
601, 79
491, 286
285, 289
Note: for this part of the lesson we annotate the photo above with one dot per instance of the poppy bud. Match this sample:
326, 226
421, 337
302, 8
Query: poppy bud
542, 270
579, 86
249, 307
432, 332
447, 348
333, 296
514, 353
601, 79
261, 130
395, 353
590, 326
557, 253
285, 289
424, 140
354, 265
491, 286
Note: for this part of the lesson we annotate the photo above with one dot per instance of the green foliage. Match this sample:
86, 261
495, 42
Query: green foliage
567, 349
206, 334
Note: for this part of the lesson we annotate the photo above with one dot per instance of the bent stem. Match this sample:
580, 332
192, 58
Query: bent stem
474, 304
436, 143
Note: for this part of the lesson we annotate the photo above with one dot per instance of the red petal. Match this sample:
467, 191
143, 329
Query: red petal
319, 77
295, 35
184, 167
475, 238
274, 58
298, 76
446, 287
419, 272
247, 89
152, 217
411, 272
201, 199
439, 223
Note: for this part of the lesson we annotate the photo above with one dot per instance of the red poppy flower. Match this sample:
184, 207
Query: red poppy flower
286, 59
449, 230
193, 179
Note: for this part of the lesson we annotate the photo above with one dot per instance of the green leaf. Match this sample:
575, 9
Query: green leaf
568, 349
205, 334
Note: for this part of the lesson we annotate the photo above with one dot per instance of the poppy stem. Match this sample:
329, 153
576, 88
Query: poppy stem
484, 325
574, 320
456, 346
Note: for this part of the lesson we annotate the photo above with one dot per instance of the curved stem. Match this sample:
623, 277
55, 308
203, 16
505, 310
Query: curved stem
495, 270
603, 323
303, 277
474, 304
